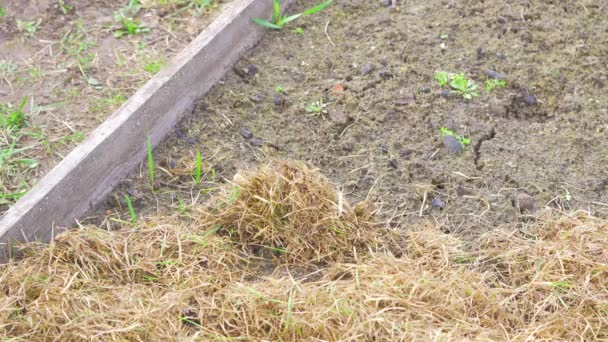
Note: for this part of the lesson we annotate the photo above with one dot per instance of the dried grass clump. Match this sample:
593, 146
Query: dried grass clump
291, 209
174, 279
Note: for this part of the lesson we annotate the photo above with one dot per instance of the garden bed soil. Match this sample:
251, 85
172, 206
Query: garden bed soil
75, 72
539, 144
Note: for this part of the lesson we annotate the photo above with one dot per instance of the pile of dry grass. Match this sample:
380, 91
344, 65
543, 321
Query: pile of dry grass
162, 280
291, 209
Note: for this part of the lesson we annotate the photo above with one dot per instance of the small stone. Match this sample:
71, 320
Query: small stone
524, 202
278, 100
446, 93
452, 144
386, 3
405, 153
501, 20
251, 71
367, 69
481, 53
501, 56
437, 202
406, 101
425, 90
132, 192
383, 148
256, 142
495, 75
530, 100
191, 141
385, 74
393, 163
246, 133
157, 184
256, 98
172, 164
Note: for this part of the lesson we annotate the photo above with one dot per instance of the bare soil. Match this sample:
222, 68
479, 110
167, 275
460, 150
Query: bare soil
539, 144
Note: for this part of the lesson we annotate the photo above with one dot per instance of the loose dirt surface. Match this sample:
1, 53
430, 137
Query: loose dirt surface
537, 144
64, 56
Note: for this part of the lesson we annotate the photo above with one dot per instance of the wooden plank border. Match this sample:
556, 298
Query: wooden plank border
118, 145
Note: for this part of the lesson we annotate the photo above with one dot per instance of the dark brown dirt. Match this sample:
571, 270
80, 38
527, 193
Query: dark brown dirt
539, 144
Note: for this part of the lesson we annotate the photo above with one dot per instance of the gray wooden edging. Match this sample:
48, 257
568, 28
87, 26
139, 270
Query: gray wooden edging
118, 145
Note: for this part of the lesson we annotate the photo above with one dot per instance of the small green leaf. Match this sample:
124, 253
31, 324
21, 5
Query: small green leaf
266, 24
317, 8
285, 20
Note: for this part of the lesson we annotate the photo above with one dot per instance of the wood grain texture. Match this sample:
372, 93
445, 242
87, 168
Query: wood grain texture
118, 145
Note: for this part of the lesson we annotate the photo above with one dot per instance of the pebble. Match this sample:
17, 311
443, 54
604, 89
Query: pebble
452, 144
393, 163
501, 56
246, 133
406, 101
367, 69
386, 3
256, 142
385, 74
530, 100
251, 70
383, 148
481, 53
405, 153
132, 192
495, 75
445, 93
256, 98
172, 164
277, 100
437, 202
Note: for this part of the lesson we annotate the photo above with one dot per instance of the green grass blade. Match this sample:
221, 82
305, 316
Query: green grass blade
199, 168
317, 8
265, 23
150, 162
131, 210
277, 11
285, 20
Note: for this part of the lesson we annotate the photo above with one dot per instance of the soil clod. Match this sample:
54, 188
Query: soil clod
246, 133
452, 144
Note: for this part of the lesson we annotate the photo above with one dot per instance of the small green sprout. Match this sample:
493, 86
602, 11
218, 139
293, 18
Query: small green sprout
298, 30
442, 78
463, 140
278, 90
317, 107
492, 83
150, 162
154, 67
2, 11
279, 20
444, 36
464, 86
199, 168
131, 210
130, 27
28, 28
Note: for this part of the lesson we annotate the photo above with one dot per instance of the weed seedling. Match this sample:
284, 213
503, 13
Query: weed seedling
150, 162
131, 210
2, 11
198, 170
28, 28
64, 7
279, 20
442, 78
130, 27
464, 86
492, 83
13, 119
298, 30
278, 90
463, 140
317, 107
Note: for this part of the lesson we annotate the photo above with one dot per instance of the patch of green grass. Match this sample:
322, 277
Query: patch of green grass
13, 119
129, 26
463, 140
491, 84
28, 28
278, 90
2, 11
64, 6
279, 20
77, 45
153, 67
